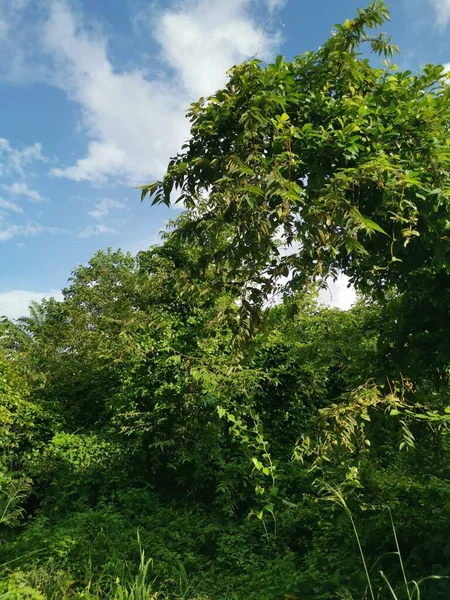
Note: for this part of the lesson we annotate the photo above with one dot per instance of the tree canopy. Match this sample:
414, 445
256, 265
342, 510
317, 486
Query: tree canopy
343, 161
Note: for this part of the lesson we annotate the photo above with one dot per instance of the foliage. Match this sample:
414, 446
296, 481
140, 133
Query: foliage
342, 162
129, 407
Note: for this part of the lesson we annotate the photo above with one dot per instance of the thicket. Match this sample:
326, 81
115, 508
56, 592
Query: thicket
190, 422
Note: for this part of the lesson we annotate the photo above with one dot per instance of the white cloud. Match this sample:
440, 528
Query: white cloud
339, 294
134, 124
11, 206
203, 39
97, 229
104, 207
13, 160
9, 231
15, 303
20, 188
442, 10
446, 67
274, 5
102, 210
19, 44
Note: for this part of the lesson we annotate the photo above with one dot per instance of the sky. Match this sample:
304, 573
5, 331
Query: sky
93, 97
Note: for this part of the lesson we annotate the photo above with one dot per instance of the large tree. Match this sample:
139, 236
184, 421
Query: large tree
342, 160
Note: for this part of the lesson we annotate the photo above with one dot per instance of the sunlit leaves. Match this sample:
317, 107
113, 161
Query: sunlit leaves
346, 160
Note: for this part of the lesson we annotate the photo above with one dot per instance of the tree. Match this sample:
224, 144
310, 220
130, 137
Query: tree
344, 163
297, 171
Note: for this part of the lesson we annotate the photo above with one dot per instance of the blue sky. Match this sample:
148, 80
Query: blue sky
92, 102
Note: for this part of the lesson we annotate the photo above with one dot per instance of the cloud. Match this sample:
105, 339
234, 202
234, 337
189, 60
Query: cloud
201, 40
20, 188
11, 206
22, 61
13, 160
274, 5
97, 229
442, 10
339, 294
134, 123
104, 207
9, 231
15, 303
102, 210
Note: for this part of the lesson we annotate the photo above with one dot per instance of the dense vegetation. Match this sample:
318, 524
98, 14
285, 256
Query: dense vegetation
190, 422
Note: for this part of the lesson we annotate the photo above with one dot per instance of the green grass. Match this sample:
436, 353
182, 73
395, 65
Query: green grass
410, 590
